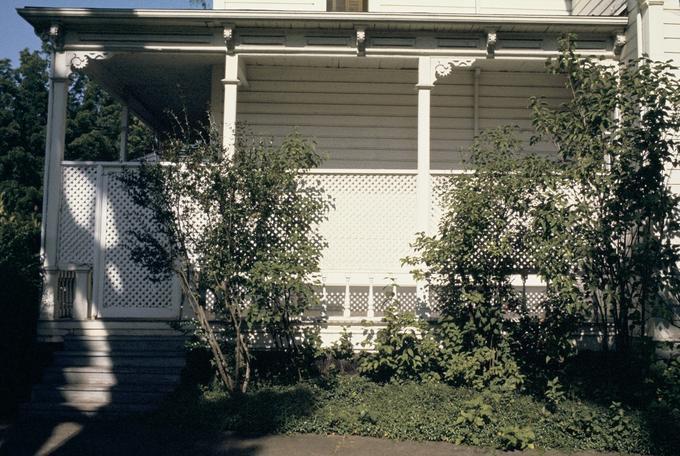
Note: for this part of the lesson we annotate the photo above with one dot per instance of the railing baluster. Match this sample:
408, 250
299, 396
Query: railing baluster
347, 311
324, 298
371, 303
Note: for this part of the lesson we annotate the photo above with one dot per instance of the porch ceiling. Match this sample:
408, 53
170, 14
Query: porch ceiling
158, 85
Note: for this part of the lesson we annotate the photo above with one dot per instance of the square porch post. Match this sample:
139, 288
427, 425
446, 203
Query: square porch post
60, 71
424, 180
231, 82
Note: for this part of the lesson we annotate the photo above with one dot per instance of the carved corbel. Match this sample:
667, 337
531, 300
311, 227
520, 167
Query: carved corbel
228, 35
433, 68
361, 42
54, 37
619, 42
81, 59
491, 40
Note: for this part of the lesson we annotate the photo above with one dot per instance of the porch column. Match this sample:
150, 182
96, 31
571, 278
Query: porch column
60, 71
424, 181
230, 82
652, 13
124, 130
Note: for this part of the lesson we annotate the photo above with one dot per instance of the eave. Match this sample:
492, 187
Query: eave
41, 18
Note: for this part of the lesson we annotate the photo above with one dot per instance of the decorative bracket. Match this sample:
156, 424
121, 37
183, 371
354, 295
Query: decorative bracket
432, 68
619, 42
228, 35
361, 42
54, 37
81, 59
491, 40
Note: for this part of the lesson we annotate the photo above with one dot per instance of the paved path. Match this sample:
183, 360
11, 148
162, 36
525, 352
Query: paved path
130, 438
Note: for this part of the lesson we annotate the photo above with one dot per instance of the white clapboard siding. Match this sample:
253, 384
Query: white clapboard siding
542, 7
630, 50
671, 31
271, 5
367, 118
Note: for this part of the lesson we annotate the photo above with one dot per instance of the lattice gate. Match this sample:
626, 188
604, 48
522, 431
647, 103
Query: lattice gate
96, 217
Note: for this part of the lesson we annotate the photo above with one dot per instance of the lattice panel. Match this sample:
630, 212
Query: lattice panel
523, 260
372, 224
77, 217
126, 284
438, 186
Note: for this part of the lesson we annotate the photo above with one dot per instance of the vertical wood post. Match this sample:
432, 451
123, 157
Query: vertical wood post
124, 131
371, 300
346, 308
60, 70
424, 178
424, 181
652, 28
230, 82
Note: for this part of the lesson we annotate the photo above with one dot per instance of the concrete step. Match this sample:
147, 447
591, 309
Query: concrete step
111, 376
107, 359
124, 343
83, 410
142, 394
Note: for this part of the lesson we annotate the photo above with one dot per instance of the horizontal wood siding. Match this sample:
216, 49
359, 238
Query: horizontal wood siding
544, 7
671, 29
503, 100
271, 5
367, 118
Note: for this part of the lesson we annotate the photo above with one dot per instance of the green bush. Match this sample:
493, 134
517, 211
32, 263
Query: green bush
20, 290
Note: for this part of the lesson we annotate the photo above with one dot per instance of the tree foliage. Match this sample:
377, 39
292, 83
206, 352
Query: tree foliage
240, 227
616, 140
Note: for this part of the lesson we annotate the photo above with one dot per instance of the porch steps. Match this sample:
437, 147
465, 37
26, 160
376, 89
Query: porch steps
108, 375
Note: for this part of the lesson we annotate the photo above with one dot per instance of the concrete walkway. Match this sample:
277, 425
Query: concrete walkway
129, 438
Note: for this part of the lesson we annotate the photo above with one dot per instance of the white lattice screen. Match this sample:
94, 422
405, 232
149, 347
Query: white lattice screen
126, 284
372, 224
77, 217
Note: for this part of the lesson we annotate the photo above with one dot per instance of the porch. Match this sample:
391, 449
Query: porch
394, 109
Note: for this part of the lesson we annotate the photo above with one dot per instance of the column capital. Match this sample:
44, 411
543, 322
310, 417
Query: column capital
430, 68
644, 4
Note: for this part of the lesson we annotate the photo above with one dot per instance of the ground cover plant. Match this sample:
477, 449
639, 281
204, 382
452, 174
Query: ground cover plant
354, 405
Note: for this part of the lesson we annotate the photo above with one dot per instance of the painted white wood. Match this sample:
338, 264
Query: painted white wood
60, 71
98, 267
368, 118
271, 5
124, 128
652, 15
545, 7
230, 82
671, 32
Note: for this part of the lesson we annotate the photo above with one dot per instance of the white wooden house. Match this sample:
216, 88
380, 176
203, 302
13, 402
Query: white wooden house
393, 91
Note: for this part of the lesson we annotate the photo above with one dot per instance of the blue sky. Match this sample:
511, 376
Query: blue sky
17, 34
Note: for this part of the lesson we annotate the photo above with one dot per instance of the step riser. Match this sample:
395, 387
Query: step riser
122, 346
111, 378
100, 361
106, 372
123, 332
99, 397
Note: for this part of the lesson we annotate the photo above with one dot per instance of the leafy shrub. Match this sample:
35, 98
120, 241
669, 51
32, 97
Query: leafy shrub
517, 438
404, 350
